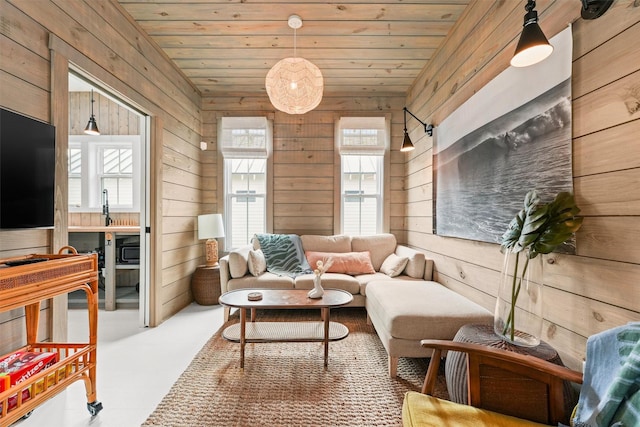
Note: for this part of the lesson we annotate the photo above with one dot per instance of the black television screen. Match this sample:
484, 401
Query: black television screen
27, 172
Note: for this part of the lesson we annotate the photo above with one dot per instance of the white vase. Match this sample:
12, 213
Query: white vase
518, 312
317, 290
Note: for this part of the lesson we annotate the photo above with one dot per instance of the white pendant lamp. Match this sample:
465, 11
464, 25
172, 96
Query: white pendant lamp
294, 85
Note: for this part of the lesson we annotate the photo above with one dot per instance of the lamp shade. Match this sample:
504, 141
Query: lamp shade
532, 48
92, 127
294, 85
407, 145
210, 226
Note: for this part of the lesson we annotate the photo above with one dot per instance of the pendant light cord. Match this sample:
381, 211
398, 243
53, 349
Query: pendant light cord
295, 55
92, 101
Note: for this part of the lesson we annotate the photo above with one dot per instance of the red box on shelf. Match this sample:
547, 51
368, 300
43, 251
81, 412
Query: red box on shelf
20, 366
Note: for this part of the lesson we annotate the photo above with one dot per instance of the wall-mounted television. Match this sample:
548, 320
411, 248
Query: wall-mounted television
27, 172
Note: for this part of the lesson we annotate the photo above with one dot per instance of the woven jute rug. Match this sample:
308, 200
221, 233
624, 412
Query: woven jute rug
286, 384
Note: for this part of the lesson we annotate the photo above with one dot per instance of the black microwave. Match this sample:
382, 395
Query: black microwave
129, 254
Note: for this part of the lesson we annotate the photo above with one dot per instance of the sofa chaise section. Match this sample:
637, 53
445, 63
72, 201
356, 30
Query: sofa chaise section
403, 313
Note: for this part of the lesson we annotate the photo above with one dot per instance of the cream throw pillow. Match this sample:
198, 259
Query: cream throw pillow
416, 265
255, 243
238, 260
257, 262
393, 265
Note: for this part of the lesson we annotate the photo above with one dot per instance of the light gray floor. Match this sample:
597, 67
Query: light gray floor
136, 366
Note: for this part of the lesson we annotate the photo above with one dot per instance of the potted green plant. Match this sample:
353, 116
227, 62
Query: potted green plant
537, 229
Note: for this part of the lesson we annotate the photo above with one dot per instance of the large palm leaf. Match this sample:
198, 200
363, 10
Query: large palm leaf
541, 228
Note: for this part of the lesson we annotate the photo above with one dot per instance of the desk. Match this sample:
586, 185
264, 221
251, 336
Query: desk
519, 393
110, 265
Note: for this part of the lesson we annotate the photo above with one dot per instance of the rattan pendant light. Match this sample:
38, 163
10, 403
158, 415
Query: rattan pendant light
295, 85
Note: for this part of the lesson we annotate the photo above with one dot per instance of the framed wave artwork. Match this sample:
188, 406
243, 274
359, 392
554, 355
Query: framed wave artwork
512, 136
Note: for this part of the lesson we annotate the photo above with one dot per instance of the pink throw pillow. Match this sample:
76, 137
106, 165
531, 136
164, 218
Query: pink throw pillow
346, 262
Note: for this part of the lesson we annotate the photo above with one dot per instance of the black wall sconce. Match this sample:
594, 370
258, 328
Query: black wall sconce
407, 145
592, 9
533, 45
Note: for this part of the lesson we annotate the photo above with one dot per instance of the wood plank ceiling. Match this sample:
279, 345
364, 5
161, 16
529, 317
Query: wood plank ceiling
228, 46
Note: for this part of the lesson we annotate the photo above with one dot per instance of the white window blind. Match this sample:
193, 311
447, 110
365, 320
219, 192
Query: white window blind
362, 142
245, 143
75, 176
361, 194
244, 137
362, 136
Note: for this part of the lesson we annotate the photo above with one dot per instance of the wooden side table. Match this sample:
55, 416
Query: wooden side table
519, 395
205, 285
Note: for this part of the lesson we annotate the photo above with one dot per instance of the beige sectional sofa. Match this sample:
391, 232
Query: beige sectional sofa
403, 303
235, 268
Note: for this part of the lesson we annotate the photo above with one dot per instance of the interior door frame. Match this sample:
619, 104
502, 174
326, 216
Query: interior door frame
63, 58
144, 188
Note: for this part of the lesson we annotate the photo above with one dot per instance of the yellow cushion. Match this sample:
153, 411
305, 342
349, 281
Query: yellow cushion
420, 410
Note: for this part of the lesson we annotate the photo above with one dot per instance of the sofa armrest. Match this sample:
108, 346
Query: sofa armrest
428, 269
418, 267
225, 276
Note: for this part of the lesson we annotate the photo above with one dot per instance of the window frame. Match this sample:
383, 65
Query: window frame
230, 195
228, 153
378, 195
91, 175
382, 151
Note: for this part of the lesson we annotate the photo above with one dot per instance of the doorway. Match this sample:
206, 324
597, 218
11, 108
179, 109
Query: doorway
108, 182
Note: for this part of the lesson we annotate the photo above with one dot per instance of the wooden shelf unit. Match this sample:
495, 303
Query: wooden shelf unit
26, 286
111, 234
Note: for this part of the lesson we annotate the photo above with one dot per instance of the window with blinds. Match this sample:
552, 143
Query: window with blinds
105, 162
116, 175
245, 143
362, 144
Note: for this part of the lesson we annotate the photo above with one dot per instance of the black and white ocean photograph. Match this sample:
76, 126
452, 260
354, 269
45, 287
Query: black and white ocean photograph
482, 172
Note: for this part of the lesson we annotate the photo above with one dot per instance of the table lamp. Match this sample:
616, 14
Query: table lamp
210, 226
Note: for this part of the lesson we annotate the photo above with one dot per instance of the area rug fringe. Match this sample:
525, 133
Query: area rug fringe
285, 384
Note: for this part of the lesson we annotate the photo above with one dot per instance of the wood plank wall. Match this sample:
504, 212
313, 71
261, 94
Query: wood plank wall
103, 40
599, 288
111, 117
304, 180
